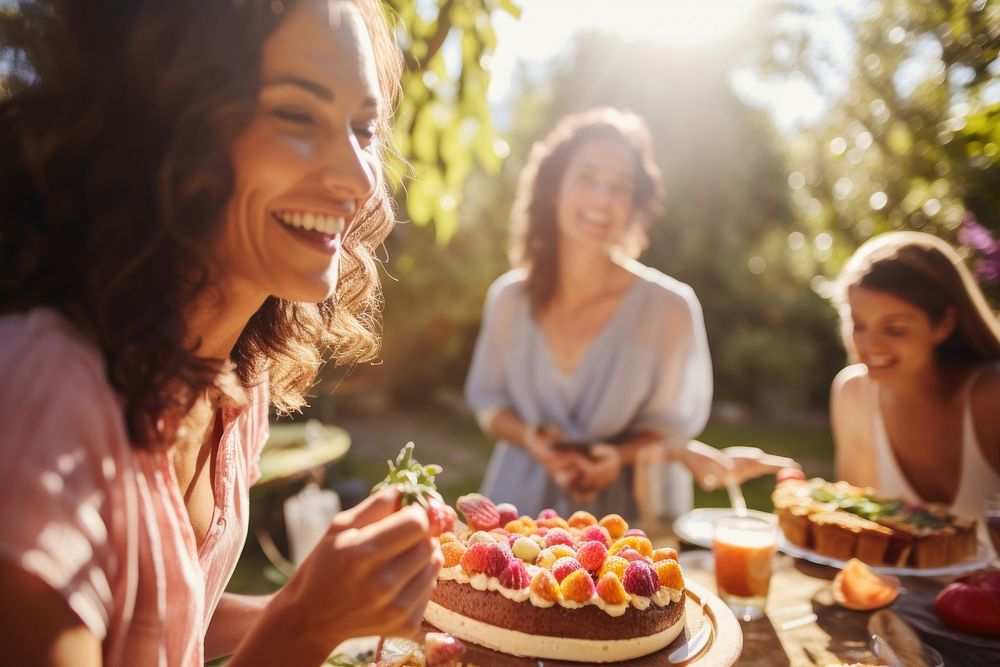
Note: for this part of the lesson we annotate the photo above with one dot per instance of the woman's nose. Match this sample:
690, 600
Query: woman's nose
351, 172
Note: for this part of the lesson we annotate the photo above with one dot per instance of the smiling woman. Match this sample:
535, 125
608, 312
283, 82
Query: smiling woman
190, 194
916, 416
592, 369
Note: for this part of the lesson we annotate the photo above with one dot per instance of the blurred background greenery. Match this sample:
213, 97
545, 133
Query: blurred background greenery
788, 133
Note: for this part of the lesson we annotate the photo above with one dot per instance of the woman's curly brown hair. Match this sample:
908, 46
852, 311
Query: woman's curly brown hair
535, 234
116, 122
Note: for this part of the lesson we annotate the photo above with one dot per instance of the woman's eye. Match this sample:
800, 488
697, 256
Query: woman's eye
292, 116
895, 332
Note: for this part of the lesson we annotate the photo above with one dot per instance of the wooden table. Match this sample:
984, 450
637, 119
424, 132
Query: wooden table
803, 625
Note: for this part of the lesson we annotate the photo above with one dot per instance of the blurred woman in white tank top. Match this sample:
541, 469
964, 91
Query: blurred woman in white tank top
918, 415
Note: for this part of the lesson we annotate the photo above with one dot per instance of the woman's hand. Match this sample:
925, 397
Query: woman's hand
371, 574
597, 472
709, 466
563, 466
750, 462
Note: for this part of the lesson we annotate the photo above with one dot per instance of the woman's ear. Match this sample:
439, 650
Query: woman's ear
946, 327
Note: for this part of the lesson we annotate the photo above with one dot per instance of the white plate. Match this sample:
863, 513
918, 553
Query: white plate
981, 560
695, 527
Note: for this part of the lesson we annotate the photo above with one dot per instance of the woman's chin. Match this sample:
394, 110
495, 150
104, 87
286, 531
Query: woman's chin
308, 292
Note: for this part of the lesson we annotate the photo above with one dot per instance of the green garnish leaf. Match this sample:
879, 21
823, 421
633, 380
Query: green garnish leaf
416, 481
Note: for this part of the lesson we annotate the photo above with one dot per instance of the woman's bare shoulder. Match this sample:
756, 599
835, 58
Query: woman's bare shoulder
851, 384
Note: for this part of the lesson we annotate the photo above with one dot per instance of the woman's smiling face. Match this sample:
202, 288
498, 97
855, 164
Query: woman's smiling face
892, 337
307, 162
594, 205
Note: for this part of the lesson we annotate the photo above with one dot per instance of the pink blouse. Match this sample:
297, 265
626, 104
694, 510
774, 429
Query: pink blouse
101, 522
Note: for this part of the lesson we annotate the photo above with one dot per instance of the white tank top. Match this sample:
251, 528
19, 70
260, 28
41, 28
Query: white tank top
976, 477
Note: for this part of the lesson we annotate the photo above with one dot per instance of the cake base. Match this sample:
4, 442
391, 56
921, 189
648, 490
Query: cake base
515, 642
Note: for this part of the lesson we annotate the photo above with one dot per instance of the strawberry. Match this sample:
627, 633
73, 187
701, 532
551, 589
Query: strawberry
582, 519
591, 555
545, 586
441, 517
499, 555
635, 532
548, 514
615, 564
595, 534
640, 579
564, 566
558, 536
669, 574
507, 512
490, 558
442, 650
615, 524
577, 586
610, 589
480, 512
664, 553
416, 483
453, 552
444, 538
475, 557
515, 575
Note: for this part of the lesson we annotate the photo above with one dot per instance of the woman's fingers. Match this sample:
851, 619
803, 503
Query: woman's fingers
407, 608
394, 575
377, 506
752, 462
389, 536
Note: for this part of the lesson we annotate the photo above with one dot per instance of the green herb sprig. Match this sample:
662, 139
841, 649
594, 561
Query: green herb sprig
416, 480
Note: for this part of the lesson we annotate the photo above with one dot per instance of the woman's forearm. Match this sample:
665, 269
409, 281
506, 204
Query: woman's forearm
233, 618
509, 427
277, 637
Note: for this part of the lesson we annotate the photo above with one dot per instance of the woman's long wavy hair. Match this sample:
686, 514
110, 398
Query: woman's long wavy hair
927, 273
535, 233
116, 122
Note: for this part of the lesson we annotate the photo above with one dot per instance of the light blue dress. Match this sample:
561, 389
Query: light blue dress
648, 369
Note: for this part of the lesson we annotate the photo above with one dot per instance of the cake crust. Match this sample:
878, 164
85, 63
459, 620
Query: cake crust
587, 622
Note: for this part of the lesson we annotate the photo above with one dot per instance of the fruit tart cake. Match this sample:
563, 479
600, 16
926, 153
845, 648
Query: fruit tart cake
842, 521
578, 589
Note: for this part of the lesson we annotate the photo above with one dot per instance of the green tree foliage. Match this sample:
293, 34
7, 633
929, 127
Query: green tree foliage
443, 124
913, 141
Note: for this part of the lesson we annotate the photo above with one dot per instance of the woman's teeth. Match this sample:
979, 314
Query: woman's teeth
593, 218
325, 224
879, 362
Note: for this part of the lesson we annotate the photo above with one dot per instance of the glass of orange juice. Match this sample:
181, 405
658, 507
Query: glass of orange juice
744, 549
